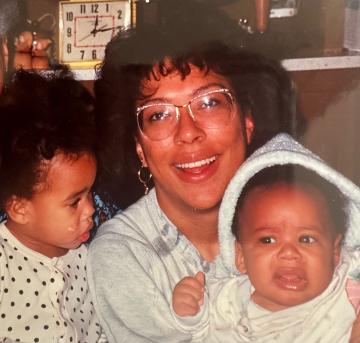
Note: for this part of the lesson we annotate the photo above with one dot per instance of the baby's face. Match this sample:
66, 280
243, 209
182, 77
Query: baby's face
59, 215
288, 248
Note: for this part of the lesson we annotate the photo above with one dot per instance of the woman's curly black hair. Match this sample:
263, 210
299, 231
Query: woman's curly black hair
262, 86
41, 115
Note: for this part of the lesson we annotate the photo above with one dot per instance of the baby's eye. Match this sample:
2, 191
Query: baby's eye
267, 240
307, 239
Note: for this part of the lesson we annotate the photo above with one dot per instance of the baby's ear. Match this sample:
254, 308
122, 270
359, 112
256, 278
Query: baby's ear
239, 258
18, 209
337, 248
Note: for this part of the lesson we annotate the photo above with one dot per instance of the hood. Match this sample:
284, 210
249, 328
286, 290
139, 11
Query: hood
281, 150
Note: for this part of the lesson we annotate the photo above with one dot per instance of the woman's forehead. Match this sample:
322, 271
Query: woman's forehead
175, 85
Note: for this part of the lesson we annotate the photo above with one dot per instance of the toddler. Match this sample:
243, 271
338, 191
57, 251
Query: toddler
289, 223
47, 169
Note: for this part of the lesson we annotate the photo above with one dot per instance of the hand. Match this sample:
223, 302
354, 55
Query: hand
30, 51
188, 295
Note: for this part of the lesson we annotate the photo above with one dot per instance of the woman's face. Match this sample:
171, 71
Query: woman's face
192, 167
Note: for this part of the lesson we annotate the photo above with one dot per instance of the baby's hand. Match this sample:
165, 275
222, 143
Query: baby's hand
188, 295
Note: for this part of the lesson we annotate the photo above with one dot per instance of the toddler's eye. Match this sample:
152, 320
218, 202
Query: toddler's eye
74, 203
267, 240
307, 239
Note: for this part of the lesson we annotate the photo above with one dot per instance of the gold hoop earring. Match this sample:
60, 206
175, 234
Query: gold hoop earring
144, 179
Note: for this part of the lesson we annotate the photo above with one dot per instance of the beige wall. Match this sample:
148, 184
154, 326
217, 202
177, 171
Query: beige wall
331, 102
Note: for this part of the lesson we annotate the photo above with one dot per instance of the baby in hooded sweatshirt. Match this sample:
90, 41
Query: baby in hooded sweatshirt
293, 219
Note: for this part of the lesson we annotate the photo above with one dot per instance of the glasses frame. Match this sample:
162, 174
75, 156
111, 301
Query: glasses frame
139, 109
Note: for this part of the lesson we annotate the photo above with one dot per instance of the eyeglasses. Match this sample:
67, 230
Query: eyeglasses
212, 110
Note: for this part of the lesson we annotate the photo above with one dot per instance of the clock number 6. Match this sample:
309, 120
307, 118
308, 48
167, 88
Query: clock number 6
93, 53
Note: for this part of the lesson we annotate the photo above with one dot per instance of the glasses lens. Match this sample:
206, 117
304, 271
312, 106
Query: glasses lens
157, 121
213, 109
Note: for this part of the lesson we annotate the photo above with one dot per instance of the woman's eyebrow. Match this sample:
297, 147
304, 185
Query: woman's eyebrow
195, 93
207, 87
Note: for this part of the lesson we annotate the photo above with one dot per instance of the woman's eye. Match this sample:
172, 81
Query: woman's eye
157, 116
267, 240
209, 103
307, 239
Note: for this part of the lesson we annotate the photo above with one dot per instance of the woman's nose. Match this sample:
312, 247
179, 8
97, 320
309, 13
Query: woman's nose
187, 130
289, 251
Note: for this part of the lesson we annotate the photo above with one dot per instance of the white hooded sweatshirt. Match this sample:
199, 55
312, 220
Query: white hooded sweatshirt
229, 315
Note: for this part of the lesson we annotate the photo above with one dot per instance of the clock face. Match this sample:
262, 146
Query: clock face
87, 26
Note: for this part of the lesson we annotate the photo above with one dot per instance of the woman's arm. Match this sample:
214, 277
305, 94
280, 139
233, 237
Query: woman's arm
131, 291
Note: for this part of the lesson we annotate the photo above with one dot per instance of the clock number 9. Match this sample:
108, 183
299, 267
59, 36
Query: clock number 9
68, 32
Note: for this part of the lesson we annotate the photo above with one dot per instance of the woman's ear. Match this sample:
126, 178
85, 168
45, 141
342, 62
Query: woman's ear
140, 153
239, 258
18, 210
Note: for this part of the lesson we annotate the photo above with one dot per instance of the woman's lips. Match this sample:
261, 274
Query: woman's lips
196, 164
199, 170
291, 279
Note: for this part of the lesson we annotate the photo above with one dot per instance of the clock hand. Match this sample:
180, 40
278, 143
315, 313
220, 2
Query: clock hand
93, 32
95, 26
108, 29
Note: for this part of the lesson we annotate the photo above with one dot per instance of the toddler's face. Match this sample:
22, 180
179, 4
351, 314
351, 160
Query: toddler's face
287, 248
59, 216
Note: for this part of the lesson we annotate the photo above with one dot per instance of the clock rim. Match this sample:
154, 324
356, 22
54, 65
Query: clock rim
88, 63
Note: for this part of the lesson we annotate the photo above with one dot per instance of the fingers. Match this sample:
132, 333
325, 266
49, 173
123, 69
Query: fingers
200, 276
23, 43
188, 295
39, 49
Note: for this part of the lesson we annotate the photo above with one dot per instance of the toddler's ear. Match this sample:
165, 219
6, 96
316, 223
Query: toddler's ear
18, 210
239, 258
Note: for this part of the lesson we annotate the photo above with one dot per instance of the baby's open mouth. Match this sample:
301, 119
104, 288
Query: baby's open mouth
291, 279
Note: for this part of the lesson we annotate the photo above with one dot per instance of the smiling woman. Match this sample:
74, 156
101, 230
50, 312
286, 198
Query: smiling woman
188, 112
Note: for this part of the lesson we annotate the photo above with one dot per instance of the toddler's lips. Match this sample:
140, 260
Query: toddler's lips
85, 236
291, 279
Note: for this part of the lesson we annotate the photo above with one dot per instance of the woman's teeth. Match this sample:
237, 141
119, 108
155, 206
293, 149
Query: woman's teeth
196, 164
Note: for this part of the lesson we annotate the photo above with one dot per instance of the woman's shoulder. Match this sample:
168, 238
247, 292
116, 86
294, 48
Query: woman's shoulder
138, 221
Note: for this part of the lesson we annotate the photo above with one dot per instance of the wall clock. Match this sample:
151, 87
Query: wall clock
85, 27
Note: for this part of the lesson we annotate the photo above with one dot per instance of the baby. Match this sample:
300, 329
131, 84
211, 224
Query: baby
289, 223
47, 170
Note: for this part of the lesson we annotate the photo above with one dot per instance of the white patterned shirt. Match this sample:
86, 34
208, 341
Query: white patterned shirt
44, 299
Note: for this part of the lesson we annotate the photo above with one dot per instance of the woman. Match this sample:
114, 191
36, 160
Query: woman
190, 116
